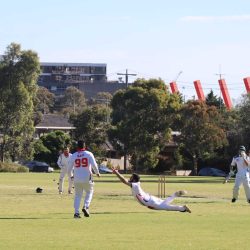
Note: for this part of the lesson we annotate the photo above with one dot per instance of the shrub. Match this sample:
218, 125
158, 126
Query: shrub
12, 167
48, 147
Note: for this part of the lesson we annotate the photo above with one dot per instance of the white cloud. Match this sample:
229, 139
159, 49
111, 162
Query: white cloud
233, 18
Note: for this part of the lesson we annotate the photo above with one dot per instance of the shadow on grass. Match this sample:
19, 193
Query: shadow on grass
169, 179
149, 212
69, 216
195, 180
22, 218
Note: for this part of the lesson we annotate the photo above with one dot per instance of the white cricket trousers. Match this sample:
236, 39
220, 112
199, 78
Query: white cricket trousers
242, 179
63, 173
79, 188
160, 204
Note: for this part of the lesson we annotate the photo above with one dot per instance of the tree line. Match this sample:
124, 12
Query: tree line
137, 121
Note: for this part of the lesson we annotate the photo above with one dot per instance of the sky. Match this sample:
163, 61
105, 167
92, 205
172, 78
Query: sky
179, 40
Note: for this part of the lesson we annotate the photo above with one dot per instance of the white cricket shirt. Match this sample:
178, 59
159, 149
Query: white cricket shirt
63, 161
83, 161
242, 167
139, 194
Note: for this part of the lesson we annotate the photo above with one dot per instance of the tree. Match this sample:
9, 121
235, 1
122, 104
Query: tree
236, 124
47, 148
230, 125
19, 71
43, 104
44, 101
73, 101
243, 132
103, 99
104, 96
141, 120
213, 100
201, 130
92, 126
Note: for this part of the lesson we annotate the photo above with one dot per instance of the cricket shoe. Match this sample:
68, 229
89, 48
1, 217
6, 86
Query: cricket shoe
85, 212
60, 192
180, 193
233, 200
187, 209
77, 216
70, 192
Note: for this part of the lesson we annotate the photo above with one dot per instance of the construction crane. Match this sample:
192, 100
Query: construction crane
177, 76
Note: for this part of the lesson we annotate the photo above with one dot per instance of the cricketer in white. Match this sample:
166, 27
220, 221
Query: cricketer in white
148, 200
242, 161
82, 162
63, 164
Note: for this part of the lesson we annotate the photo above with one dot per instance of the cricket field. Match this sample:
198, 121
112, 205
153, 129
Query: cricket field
30, 220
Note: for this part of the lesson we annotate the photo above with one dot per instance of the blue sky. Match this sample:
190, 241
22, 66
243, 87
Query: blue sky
149, 38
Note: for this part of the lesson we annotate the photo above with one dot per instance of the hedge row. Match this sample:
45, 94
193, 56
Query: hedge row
12, 167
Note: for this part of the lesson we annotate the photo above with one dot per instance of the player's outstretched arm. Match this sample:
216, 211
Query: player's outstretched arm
121, 177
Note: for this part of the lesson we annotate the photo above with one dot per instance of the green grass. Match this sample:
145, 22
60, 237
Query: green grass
45, 221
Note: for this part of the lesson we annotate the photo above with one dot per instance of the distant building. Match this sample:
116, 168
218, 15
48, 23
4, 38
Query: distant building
72, 72
90, 78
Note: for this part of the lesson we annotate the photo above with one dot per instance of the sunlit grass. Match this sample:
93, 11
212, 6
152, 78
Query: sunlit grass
45, 221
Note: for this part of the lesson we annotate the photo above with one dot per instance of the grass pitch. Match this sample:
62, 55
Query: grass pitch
45, 221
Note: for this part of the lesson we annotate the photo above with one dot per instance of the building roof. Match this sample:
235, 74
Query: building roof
54, 121
73, 64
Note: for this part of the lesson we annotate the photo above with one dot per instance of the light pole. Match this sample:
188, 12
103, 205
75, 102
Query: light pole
125, 149
1, 148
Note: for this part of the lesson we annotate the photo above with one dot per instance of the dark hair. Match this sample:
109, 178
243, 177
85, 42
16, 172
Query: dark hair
80, 144
242, 148
135, 177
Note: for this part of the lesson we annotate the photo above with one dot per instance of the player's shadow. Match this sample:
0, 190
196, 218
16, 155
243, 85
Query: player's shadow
108, 212
35, 218
21, 218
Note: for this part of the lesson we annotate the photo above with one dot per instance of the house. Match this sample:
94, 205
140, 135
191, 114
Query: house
52, 122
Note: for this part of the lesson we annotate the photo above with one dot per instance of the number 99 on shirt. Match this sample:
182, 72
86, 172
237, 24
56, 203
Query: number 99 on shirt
81, 162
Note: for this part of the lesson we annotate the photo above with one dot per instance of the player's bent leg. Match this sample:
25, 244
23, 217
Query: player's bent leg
165, 204
174, 195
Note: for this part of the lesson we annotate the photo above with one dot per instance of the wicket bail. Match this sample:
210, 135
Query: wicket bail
162, 186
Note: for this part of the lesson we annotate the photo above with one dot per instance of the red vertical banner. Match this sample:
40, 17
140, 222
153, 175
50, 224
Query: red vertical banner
225, 94
174, 87
247, 84
199, 90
